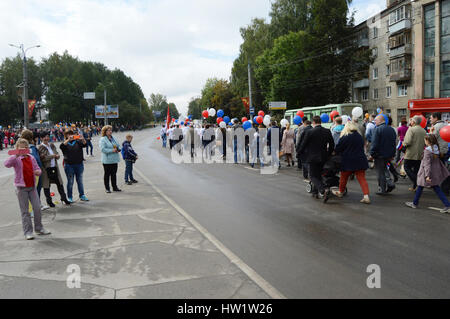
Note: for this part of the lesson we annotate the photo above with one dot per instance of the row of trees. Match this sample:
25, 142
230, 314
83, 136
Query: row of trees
307, 55
158, 103
58, 83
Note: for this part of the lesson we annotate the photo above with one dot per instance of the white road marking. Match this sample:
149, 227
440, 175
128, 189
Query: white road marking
252, 274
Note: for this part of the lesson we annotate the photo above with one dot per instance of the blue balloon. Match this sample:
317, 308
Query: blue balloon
182, 123
325, 118
220, 113
254, 120
226, 119
386, 118
298, 120
247, 125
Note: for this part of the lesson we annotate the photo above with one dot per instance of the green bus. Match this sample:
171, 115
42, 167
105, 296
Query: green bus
310, 112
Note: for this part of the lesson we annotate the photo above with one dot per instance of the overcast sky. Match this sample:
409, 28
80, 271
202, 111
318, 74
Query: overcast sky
167, 46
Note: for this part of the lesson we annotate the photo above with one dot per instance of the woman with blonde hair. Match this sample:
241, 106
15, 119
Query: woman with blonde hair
110, 158
354, 160
288, 145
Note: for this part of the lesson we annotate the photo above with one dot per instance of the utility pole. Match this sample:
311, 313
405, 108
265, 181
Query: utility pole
250, 91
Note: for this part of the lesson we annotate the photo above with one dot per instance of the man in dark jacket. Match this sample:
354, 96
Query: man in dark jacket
274, 149
382, 150
301, 156
319, 145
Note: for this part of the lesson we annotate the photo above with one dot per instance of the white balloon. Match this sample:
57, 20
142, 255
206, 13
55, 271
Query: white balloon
223, 124
284, 122
357, 112
266, 120
212, 112
345, 119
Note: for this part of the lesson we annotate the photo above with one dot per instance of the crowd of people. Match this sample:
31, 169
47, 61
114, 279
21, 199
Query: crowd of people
351, 146
35, 162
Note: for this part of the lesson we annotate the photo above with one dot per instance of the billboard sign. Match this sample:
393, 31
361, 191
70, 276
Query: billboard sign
89, 95
277, 105
111, 110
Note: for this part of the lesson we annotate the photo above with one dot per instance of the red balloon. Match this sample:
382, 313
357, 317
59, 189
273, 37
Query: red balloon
424, 121
219, 119
259, 119
244, 119
445, 133
261, 113
333, 114
301, 114
205, 114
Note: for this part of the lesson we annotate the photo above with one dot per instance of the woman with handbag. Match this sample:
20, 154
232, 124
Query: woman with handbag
50, 173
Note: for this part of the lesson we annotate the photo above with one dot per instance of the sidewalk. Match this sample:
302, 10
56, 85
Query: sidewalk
128, 245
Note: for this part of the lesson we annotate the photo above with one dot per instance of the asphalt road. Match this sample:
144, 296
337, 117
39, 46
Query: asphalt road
302, 247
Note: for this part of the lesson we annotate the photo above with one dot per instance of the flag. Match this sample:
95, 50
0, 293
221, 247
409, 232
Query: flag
168, 118
31, 105
246, 102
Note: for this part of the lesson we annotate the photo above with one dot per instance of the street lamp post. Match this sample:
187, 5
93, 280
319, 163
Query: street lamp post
25, 82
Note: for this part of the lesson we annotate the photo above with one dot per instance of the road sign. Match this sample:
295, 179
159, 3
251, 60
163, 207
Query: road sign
252, 111
111, 110
89, 95
277, 105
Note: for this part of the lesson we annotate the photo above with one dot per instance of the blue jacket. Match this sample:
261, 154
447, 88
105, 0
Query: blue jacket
351, 148
107, 149
383, 142
127, 151
35, 154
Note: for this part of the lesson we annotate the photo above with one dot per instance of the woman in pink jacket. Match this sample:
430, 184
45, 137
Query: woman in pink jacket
26, 168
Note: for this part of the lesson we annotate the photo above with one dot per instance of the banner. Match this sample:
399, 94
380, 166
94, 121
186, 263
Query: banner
31, 105
112, 111
246, 101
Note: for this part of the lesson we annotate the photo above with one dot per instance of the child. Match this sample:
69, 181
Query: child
26, 168
432, 173
130, 157
6, 141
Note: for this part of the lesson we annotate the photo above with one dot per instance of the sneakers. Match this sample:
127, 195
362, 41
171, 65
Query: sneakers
337, 193
129, 183
44, 207
134, 181
445, 210
29, 237
70, 200
117, 190
365, 201
108, 191
411, 204
43, 232
84, 198
412, 189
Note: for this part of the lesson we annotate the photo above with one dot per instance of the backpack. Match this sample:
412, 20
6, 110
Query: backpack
123, 152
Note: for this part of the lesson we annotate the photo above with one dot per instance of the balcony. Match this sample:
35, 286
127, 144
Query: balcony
399, 26
363, 43
403, 75
401, 50
363, 83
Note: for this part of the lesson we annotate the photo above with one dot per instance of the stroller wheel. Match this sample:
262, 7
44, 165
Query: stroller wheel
309, 187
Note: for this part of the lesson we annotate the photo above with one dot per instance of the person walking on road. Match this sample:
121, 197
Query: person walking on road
87, 134
319, 144
382, 150
288, 144
337, 129
301, 155
110, 158
26, 168
354, 160
432, 173
51, 174
414, 145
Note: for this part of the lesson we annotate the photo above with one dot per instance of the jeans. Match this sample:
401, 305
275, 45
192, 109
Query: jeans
412, 169
438, 192
164, 140
74, 171
89, 145
383, 174
128, 171
25, 195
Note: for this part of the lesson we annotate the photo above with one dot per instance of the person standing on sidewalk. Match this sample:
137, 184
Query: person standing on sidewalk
163, 135
382, 150
432, 173
50, 173
130, 157
414, 145
110, 158
72, 149
319, 145
87, 134
26, 168
354, 160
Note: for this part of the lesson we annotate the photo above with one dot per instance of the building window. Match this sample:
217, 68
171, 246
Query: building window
429, 30
429, 81
365, 95
375, 73
399, 14
402, 90
375, 94
388, 47
388, 91
400, 113
445, 79
388, 70
375, 32
445, 26
375, 52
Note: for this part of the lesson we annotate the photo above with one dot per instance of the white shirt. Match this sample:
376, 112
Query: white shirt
163, 131
50, 151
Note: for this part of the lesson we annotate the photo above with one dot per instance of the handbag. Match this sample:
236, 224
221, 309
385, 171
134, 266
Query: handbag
52, 175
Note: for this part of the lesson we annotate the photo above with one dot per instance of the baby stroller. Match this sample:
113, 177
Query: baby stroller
329, 174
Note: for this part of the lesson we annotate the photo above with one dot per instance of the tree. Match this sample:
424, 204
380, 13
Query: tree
289, 16
195, 108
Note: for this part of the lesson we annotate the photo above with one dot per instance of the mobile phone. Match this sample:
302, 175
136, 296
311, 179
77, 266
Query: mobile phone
20, 151
76, 137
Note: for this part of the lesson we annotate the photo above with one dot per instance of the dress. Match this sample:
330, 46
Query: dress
287, 144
